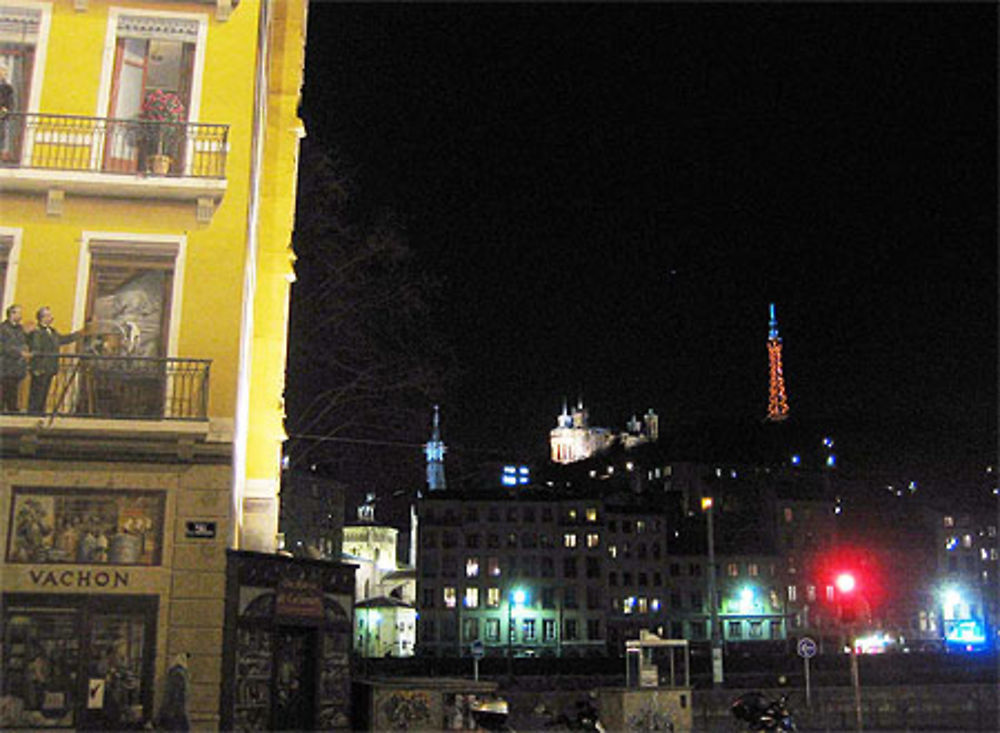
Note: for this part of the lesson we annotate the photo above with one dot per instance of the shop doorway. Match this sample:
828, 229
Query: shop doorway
294, 679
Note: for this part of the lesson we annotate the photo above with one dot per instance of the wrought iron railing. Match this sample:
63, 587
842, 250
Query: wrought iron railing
108, 145
123, 387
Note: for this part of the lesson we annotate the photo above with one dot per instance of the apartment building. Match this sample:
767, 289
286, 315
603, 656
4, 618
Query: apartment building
148, 160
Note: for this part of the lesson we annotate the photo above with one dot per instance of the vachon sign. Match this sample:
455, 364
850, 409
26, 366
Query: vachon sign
79, 578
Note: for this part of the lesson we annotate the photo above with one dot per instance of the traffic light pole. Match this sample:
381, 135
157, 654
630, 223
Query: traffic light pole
855, 679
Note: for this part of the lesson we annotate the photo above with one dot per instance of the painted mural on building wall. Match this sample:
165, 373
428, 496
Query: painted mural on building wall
92, 527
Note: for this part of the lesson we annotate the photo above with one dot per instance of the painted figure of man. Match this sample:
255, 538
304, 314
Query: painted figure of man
14, 356
44, 343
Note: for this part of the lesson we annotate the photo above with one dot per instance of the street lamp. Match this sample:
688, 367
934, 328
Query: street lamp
706, 506
517, 597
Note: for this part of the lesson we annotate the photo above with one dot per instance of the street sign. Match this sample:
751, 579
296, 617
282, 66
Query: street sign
807, 647
200, 530
477, 649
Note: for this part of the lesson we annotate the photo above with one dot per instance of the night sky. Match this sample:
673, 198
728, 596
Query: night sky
614, 193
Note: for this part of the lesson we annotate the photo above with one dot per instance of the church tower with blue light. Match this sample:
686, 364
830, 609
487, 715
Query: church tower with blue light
434, 449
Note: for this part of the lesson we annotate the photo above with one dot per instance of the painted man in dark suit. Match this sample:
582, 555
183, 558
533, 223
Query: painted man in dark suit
44, 342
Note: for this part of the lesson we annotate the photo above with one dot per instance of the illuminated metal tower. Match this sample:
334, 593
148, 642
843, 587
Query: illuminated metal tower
777, 403
434, 450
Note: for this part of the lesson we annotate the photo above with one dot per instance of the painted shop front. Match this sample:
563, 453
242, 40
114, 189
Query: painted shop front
80, 607
287, 643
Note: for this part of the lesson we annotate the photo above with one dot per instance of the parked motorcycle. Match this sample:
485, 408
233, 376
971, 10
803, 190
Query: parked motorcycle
763, 714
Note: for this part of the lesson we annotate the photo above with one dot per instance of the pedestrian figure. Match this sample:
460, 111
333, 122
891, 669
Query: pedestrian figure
174, 713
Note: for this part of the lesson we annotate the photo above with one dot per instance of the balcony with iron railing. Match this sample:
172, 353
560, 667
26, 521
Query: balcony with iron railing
120, 388
112, 157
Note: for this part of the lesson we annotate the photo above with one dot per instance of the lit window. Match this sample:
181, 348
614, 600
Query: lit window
492, 629
591, 514
967, 541
593, 540
493, 567
829, 593
628, 604
654, 605
569, 540
493, 597
471, 567
450, 597
572, 514
643, 605
811, 593
613, 551
640, 526
529, 629
733, 570
789, 515
951, 543
753, 570
949, 521
548, 630
472, 597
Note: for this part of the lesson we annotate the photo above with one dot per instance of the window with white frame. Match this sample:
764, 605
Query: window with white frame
129, 295
6, 245
154, 58
19, 36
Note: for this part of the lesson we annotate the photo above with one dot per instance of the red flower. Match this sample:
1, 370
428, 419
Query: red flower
162, 106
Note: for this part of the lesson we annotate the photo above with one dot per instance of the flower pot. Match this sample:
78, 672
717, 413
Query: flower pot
159, 164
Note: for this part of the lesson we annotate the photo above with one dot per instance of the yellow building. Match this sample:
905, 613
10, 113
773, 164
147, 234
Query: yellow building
148, 160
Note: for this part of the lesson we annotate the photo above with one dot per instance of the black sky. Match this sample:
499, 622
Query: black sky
615, 192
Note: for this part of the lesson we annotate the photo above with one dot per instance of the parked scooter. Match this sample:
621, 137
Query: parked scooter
762, 714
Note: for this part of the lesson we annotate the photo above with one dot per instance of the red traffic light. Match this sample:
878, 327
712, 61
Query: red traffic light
845, 583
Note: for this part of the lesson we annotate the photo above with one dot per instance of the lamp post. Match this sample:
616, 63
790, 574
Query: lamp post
716, 643
516, 596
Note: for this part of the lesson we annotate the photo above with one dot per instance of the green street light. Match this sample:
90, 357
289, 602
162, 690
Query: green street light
518, 597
